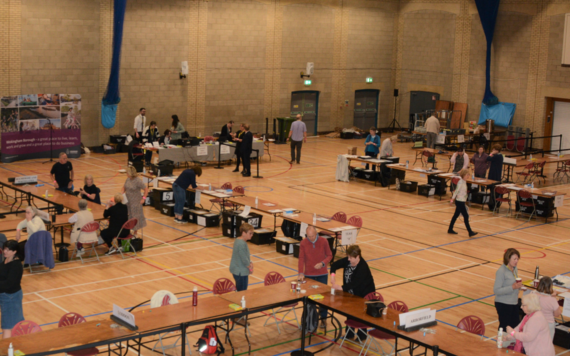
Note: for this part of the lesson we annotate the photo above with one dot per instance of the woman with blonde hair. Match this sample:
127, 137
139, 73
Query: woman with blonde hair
532, 334
90, 192
548, 304
118, 215
460, 197
132, 190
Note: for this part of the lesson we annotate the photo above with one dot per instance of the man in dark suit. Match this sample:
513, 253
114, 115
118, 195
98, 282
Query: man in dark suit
237, 139
225, 135
246, 147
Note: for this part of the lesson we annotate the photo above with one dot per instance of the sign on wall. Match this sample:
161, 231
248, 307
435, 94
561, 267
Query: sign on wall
32, 123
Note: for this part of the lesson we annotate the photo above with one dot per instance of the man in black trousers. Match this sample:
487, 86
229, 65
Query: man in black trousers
226, 132
237, 138
246, 147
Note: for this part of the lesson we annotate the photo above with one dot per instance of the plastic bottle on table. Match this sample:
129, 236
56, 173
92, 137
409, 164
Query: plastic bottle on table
243, 302
500, 339
11, 350
195, 296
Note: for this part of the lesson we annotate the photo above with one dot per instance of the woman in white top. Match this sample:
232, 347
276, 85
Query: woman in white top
32, 222
548, 304
460, 197
80, 219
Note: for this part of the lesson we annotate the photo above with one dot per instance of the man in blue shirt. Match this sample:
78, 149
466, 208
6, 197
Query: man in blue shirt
185, 179
297, 135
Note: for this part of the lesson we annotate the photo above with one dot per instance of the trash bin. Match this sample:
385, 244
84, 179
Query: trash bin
284, 124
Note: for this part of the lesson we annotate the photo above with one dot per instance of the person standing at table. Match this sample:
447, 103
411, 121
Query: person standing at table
297, 135
237, 138
150, 135
240, 265
532, 334
432, 130
62, 174
495, 160
32, 223
226, 132
246, 149
548, 303
372, 146
90, 192
186, 179
314, 255
386, 149
11, 295
459, 160
118, 215
177, 129
480, 164
139, 123
459, 198
506, 289
132, 190
357, 279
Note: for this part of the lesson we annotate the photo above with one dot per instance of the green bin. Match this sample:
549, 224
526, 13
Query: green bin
284, 124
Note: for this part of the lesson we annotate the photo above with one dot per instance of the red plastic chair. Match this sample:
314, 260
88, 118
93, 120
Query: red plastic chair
526, 195
538, 171
338, 216
25, 327
374, 296
276, 278
238, 190
88, 228
499, 193
510, 142
428, 154
223, 286
380, 335
562, 171
73, 319
526, 173
472, 324
220, 201
129, 225
355, 221
399, 306
355, 325
521, 143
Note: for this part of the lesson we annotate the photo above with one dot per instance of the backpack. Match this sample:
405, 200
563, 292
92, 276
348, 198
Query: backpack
209, 343
312, 318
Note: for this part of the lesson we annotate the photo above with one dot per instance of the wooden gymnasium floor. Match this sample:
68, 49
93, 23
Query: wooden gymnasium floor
403, 239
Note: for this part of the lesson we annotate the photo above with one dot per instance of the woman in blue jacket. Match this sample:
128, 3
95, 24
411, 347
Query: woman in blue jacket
372, 146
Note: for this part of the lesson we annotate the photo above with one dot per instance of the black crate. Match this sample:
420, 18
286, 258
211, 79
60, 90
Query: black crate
284, 245
263, 236
347, 135
397, 173
296, 250
426, 190
117, 139
393, 159
562, 335
110, 151
161, 196
187, 215
439, 183
190, 199
204, 218
408, 186
253, 219
290, 228
544, 208
163, 168
122, 148
229, 231
480, 198
138, 164
229, 217
148, 201
358, 172
167, 209
370, 175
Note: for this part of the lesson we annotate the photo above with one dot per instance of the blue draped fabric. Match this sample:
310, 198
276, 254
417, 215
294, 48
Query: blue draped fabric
501, 113
112, 95
488, 10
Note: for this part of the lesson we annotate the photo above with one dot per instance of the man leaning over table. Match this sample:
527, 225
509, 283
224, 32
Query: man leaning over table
314, 255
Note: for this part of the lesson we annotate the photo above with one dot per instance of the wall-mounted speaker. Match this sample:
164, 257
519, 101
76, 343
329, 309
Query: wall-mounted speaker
395, 92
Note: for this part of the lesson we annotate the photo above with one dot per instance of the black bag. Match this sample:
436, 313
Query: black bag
137, 244
312, 318
63, 254
374, 308
209, 343
22, 250
290, 229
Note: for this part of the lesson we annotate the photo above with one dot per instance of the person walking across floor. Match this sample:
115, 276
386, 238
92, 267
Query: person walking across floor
132, 190
314, 256
246, 149
372, 146
237, 138
297, 135
459, 198
186, 179
506, 289
140, 121
432, 130
11, 296
240, 265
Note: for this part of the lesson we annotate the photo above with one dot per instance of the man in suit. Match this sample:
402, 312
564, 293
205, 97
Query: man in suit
237, 138
225, 135
246, 148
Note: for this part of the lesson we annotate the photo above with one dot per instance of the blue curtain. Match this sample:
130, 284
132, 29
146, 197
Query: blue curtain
501, 113
488, 10
112, 96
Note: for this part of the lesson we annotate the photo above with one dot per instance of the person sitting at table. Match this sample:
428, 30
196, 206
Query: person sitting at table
32, 223
386, 149
371, 146
506, 289
62, 174
357, 278
240, 265
90, 192
118, 215
495, 160
186, 179
459, 160
532, 334
150, 135
459, 198
80, 219
480, 163
548, 303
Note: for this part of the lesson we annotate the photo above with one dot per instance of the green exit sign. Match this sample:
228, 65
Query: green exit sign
308, 82
369, 80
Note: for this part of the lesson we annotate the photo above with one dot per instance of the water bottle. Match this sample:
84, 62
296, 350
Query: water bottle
314, 218
536, 273
256, 201
144, 169
500, 339
195, 296
210, 186
243, 302
531, 156
200, 134
532, 185
472, 177
11, 350
47, 195
407, 164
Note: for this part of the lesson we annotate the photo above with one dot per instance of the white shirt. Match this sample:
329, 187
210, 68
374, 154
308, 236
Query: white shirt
386, 149
139, 123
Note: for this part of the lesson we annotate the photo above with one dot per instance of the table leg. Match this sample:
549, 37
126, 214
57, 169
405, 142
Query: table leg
302, 351
245, 329
182, 339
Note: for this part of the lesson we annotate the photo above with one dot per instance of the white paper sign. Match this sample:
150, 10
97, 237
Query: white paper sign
246, 211
303, 231
201, 220
202, 150
197, 197
487, 136
566, 308
423, 318
349, 237
440, 139
405, 317
558, 201
460, 138
155, 144
124, 315
155, 183
224, 149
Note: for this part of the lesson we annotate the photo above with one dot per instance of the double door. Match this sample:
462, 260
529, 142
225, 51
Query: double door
306, 103
366, 109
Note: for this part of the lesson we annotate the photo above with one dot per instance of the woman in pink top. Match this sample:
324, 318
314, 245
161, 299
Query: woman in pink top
532, 333
548, 304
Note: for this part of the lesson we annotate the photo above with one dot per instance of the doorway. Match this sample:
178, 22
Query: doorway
366, 108
306, 103
556, 122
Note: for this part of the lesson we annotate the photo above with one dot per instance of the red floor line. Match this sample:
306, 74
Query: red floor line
173, 274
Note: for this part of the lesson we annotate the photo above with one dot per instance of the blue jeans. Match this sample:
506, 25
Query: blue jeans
179, 199
241, 282
322, 279
65, 189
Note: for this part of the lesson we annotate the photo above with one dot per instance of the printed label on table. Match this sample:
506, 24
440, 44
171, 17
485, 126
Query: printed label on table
460, 138
124, 315
559, 201
566, 309
201, 220
440, 139
202, 150
349, 237
224, 149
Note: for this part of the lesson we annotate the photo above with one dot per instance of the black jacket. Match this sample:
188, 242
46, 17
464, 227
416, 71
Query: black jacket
246, 144
361, 282
239, 135
118, 215
225, 134
496, 167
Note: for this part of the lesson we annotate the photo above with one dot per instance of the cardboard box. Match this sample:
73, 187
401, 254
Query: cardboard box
353, 151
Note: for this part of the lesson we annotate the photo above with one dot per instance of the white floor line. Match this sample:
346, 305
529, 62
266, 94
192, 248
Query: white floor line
49, 301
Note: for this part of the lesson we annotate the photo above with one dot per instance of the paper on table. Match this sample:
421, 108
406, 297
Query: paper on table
245, 211
349, 237
566, 308
202, 185
275, 211
564, 295
303, 231
268, 204
202, 150
197, 197
220, 195
224, 149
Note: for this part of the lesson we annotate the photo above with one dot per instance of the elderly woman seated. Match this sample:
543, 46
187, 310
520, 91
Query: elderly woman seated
33, 222
118, 215
80, 219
